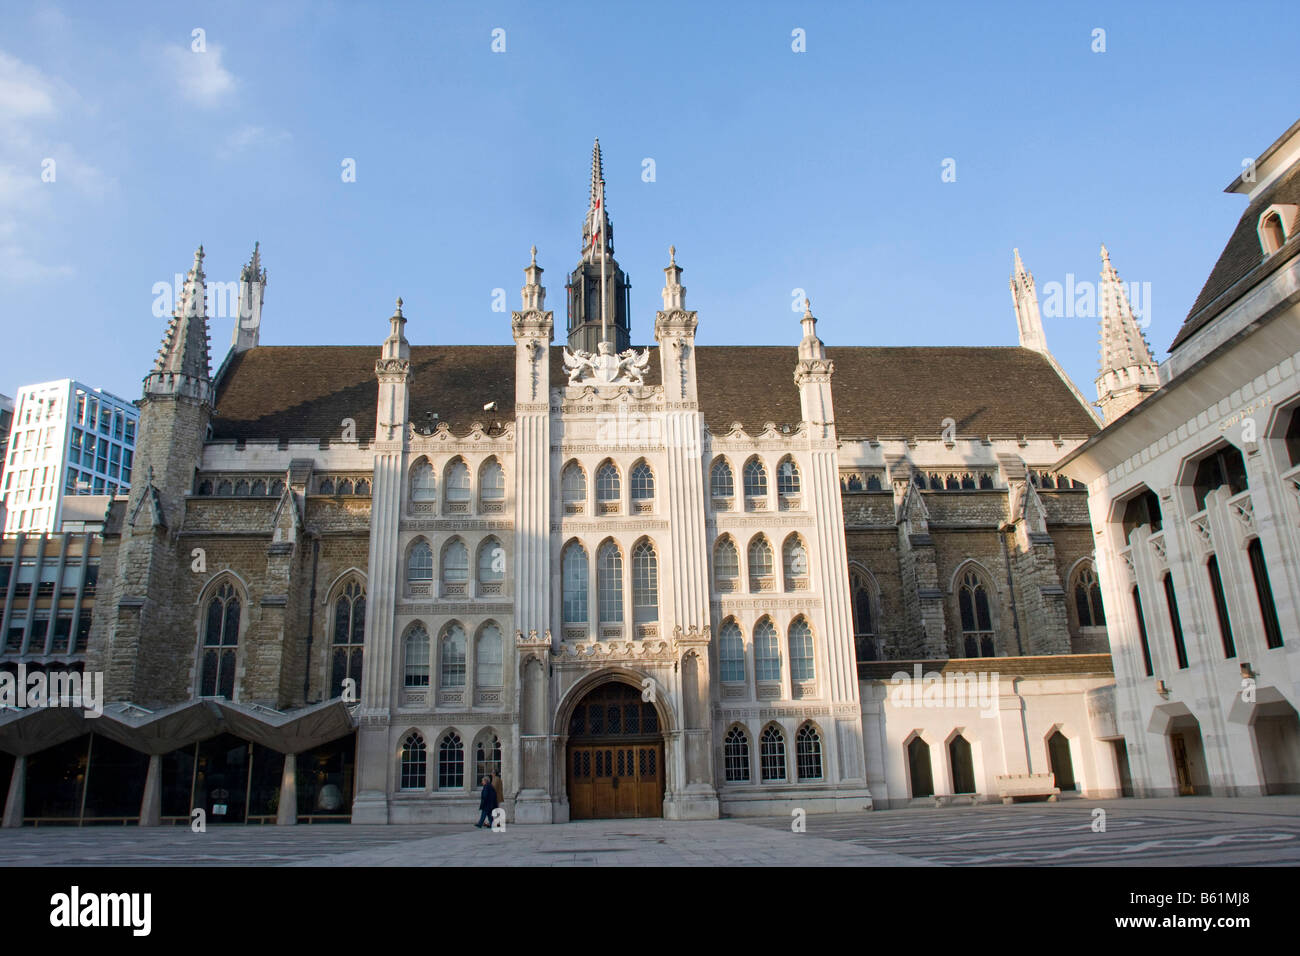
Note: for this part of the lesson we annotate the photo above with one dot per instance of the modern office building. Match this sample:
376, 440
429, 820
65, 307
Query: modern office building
67, 439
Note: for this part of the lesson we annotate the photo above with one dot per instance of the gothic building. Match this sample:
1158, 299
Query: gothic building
668, 580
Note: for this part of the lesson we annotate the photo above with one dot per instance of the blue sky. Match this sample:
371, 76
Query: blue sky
774, 170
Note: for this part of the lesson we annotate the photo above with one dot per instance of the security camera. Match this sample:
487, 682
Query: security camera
490, 407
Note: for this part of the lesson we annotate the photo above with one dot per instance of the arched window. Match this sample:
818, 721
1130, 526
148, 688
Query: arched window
241, 488
976, 618
416, 659
573, 488
735, 755
491, 566
574, 572
1264, 594
645, 583
455, 485
731, 654
726, 565
771, 752
767, 652
1222, 468
1175, 621
349, 638
277, 486
220, 643
864, 618
1087, 598
487, 656
205, 487
808, 753
986, 481
224, 488
794, 562
787, 478
451, 656
451, 762
967, 482
918, 765
363, 486
755, 479
413, 762
326, 486
642, 482
487, 758
963, 766
1143, 509
722, 487
1142, 632
455, 566
345, 486
491, 486
760, 564
873, 482
609, 583
801, 650
419, 563
1221, 607
608, 487
258, 488
1292, 438
1272, 232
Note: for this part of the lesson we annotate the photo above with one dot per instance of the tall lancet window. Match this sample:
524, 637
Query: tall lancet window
349, 639
609, 583
574, 573
220, 644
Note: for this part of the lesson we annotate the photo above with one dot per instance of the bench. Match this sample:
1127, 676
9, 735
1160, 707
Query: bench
1013, 785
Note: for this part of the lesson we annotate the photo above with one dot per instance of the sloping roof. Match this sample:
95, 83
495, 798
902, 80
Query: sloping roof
304, 392
1241, 256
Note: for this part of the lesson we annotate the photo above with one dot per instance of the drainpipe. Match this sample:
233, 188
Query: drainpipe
311, 620
1011, 589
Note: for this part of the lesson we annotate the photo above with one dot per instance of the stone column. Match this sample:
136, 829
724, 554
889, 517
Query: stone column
286, 814
151, 802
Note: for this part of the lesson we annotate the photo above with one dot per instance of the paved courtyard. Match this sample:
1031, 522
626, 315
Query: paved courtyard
1174, 832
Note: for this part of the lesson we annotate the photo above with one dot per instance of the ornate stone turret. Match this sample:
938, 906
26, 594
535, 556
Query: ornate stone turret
182, 366
584, 283
252, 289
1025, 300
1129, 372
393, 368
675, 332
813, 376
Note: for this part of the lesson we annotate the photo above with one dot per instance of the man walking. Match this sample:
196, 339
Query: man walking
487, 802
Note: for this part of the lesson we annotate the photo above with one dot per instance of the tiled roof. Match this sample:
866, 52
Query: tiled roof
1241, 256
304, 392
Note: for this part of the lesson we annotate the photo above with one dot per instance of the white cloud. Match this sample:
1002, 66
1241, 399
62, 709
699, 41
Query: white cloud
251, 137
200, 77
24, 92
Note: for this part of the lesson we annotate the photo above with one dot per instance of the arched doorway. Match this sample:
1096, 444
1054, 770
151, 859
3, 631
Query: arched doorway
918, 765
1058, 755
615, 756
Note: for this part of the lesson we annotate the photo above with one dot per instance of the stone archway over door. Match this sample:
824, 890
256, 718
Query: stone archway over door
615, 757
1277, 735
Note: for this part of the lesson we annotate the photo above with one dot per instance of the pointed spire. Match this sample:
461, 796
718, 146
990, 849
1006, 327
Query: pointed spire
1128, 369
674, 292
182, 366
396, 346
597, 211
534, 295
1024, 298
811, 347
252, 290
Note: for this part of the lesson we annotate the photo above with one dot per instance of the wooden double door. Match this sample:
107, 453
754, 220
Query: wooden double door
616, 780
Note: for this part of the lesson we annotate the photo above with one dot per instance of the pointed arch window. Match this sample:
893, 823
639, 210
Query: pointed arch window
794, 561
424, 487
726, 565
413, 762
801, 651
609, 489
642, 483
731, 654
787, 478
487, 758
1087, 598
772, 754
456, 486
491, 486
976, 617
1221, 468
808, 753
1142, 633
455, 567
491, 566
760, 565
451, 656
220, 643
609, 583
573, 488
1175, 621
645, 583
349, 639
415, 664
1292, 438
755, 479
1221, 607
864, 617
722, 486
767, 652
574, 572
735, 755
451, 762
419, 563
1264, 594
487, 656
